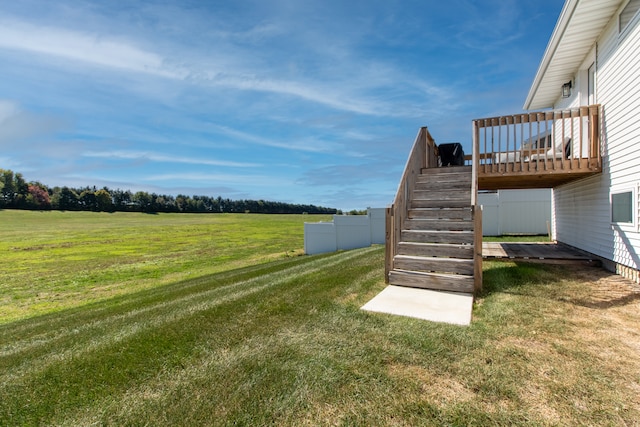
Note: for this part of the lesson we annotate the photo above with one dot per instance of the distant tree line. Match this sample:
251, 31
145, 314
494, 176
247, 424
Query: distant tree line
17, 193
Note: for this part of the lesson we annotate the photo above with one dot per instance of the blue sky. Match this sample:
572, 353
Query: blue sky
313, 102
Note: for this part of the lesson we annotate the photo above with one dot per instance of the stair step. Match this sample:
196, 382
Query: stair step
437, 281
437, 236
440, 194
441, 213
445, 177
435, 203
436, 243
433, 185
433, 264
438, 224
441, 184
436, 250
446, 170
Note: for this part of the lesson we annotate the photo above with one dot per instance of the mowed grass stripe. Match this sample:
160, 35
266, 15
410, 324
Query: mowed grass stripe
279, 371
43, 331
148, 311
108, 358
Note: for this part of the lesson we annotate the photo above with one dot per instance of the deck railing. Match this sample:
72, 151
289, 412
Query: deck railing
423, 155
541, 143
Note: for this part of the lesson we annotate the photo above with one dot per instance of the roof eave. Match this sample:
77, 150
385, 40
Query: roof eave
579, 26
556, 36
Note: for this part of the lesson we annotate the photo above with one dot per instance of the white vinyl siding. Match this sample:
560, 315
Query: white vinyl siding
582, 216
582, 209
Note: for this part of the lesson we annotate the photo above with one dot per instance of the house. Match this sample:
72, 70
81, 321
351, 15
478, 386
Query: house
580, 138
593, 58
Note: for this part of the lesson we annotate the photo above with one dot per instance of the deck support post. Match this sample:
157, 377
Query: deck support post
477, 249
390, 244
475, 162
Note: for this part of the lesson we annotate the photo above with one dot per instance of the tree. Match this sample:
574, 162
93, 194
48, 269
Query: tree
68, 200
22, 191
38, 197
14, 189
143, 200
87, 200
121, 200
182, 203
15, 192
7, 194
103, 201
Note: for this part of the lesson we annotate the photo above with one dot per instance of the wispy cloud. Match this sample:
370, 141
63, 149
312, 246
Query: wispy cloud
83, 47
344, 91
154, 157
345, 174
314, 146
311, 91
217, 179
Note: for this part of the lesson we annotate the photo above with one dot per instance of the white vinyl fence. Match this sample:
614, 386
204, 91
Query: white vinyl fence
345, 232
515, 212
503, 212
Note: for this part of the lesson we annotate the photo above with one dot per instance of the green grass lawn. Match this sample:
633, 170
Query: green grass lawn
284, 342
56, 260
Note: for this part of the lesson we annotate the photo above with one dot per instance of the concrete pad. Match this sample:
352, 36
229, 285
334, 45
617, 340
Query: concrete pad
427, 304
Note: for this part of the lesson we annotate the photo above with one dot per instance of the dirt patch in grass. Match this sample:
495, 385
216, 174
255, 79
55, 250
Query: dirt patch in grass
610, 313
606, 290
590, 360
436, 387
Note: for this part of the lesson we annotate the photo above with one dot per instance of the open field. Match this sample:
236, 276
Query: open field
285, 343
55, 260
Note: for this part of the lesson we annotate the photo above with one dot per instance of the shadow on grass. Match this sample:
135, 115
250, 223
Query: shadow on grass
609, 303
505, 277
588, 286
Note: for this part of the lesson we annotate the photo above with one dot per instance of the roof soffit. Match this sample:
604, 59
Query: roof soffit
580, 24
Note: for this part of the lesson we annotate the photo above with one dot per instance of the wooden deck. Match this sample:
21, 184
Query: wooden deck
551, 253
536, 150
540, 174
531, 150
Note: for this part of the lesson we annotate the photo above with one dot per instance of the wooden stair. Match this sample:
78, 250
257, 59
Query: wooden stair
436, 245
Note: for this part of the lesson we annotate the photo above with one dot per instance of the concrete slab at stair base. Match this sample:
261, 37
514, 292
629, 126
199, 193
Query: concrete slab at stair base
436, 306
